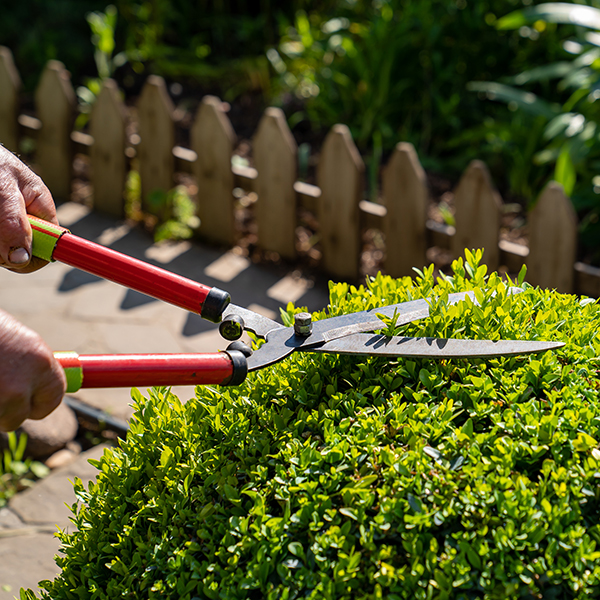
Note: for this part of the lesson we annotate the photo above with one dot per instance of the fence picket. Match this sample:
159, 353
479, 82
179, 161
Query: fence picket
213, 139
275, 154
478, 207
109, 164
157, 133
10, 84
340, 177
55, 105
405, 197
552, 228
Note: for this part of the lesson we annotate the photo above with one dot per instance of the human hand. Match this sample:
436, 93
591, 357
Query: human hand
32, 383
22, 192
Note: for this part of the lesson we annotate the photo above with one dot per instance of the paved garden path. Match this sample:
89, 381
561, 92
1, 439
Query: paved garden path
75, 311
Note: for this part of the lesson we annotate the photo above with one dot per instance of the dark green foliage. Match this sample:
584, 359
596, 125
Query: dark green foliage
397, 70
393, 70
564, 105
17, 472
338, 477
37, 31
175, 38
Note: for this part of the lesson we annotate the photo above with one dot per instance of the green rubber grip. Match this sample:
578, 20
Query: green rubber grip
69, 361
45, 237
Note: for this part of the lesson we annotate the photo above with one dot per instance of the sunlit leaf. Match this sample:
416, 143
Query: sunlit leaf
527, 101
552, 12
564, 172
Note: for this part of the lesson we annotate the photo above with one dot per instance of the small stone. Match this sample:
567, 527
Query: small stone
74, 447
48, 435
60, 459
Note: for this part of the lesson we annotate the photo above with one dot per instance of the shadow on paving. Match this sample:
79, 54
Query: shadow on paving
248, 287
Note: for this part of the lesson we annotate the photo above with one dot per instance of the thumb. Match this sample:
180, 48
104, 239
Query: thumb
15, 231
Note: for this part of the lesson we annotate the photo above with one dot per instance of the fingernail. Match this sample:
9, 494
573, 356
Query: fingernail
19, 256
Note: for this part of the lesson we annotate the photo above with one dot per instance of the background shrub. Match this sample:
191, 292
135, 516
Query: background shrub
344, 477
390, 69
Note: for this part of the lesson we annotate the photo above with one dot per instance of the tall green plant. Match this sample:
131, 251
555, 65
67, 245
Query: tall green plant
570, 144
17, 472
398, 69
102, 25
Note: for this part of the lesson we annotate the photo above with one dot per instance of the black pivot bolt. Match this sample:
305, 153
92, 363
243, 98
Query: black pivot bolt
303, 324
232, 327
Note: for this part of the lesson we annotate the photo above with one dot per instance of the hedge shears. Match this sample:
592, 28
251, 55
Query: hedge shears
345, 334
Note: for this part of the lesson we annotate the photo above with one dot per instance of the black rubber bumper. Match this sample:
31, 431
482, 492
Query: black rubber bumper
214, 304
240, 368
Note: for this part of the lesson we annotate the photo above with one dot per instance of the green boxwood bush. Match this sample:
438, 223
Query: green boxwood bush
332, 476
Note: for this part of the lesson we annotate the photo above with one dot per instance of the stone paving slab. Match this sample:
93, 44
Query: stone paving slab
27, 526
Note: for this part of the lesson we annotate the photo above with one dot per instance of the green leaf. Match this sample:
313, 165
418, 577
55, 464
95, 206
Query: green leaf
584, 442
564, 172
472, 556
552, 12
296, 549
467, 428
522, 275
166, 457
527, 101
415, 503
349, 512
543, 73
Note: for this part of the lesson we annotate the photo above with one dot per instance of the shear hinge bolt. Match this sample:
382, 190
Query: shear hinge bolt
232, 327
303, 324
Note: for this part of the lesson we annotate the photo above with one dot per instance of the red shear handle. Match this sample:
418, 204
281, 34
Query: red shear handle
51, 242
141, 370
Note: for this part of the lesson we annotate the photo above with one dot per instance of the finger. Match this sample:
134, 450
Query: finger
33, 265
15, 410
21, 192
37, 197
15, 241
49, 391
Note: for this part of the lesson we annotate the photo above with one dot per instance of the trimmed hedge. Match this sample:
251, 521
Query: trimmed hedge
345, 477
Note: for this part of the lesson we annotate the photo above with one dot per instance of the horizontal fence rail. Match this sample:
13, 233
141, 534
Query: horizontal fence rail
337, 199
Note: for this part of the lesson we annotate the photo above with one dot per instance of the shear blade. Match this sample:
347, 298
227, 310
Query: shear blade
426, 347
253, 321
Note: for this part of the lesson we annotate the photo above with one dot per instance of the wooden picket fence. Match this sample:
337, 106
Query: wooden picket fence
336, 200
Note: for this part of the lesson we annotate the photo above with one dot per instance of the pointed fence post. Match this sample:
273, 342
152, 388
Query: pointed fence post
552, 228
10, 85
109, 164
157, 138
405, 197
478, 207
213, 139
55, 105
275, 155
340, 177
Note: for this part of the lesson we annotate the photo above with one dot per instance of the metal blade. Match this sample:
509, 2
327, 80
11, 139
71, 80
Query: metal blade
254, 322
408, 312
359, 322
367, 320
381, 345
282, 341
